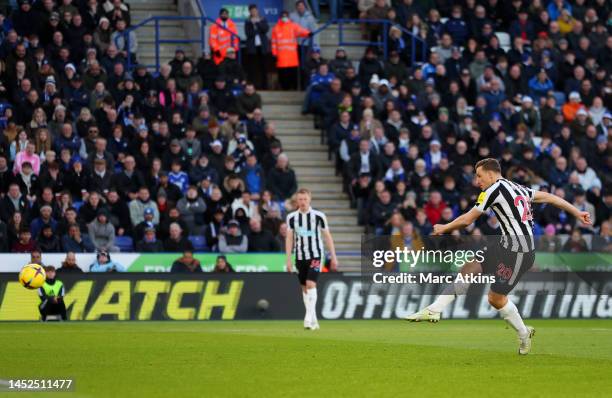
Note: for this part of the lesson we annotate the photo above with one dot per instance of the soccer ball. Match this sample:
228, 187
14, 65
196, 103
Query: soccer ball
32, 276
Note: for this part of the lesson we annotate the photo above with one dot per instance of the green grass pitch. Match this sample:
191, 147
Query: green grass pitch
344, 358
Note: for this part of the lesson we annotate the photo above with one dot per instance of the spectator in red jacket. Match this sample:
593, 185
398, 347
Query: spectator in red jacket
434, 207
25, 244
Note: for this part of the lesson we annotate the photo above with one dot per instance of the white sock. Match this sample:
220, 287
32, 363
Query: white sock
441, 302
448, 295
306, 299
312, 295
511, 315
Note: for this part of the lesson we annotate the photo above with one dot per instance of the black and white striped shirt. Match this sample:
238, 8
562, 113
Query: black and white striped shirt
306, 229
511, 203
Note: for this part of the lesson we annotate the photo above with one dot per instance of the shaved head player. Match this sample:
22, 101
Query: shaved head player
515, 253
306, 230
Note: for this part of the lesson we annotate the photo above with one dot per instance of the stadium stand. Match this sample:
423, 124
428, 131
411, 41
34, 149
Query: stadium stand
92, 137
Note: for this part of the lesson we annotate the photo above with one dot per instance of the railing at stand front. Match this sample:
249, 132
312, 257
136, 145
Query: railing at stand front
155, 21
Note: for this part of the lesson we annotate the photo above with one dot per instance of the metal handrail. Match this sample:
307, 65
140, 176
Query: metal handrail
156, 19
384, 43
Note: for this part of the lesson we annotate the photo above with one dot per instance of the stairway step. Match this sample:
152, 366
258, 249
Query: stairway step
293, 124
339, 205
299, 155
146, 6
294, 140
322, 170
346, 211
283, 115
303, 148
311, 163
274, 106
319, 179
343, 218
281, 97
298, 132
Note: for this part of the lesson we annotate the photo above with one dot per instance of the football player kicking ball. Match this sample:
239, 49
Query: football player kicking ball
305, 229
515, 253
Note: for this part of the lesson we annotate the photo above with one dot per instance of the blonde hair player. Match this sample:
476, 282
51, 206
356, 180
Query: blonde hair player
307, 228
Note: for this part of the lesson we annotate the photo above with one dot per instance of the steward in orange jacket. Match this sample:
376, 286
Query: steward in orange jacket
285, 41
220, 39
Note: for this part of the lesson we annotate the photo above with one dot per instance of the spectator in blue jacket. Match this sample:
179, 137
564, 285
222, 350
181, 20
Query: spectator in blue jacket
319, 85
67, 139
253, 176
555, 7
178, 177
104, 263
73, 241
77, 95
540, 85
457, 27
45, 218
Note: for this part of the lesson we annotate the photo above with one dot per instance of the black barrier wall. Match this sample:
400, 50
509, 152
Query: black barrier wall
277, 296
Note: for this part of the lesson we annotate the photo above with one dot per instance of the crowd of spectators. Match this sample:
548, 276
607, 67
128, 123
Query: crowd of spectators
407, 130
94, 157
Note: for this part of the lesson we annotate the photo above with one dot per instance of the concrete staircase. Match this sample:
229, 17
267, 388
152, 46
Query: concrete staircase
308, 157
143, 9
301, 141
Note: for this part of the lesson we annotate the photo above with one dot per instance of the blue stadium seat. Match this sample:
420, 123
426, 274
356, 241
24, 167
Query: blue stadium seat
198, 242
77, 205
124, 243
560, 97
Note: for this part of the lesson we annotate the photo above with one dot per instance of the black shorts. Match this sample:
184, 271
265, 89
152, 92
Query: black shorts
308, 270
507, 266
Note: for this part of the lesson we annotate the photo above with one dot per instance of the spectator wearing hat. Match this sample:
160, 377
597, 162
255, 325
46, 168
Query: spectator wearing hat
191, 146
223, 36
570, 108
549, 242
102, 232
148, 222
232, 70
186, 264
104, 263
434, 156
45, 218
232, 240
149, 242
26, 20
